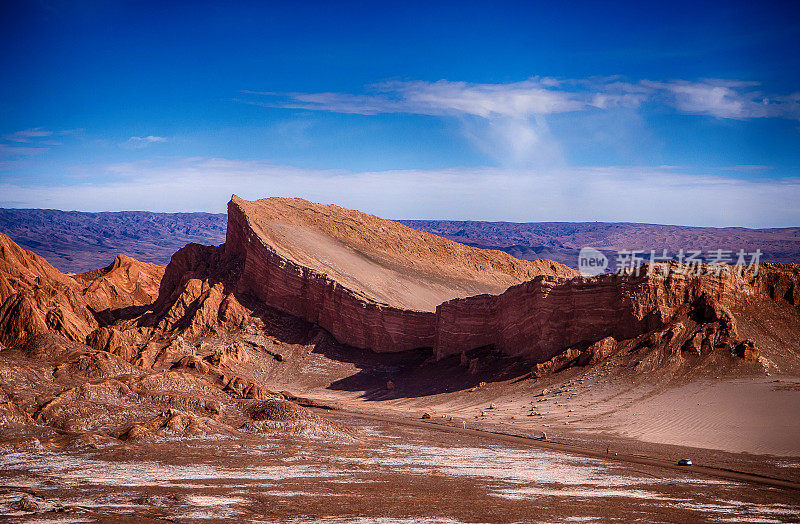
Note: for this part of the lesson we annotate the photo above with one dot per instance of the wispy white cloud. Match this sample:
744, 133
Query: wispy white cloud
545, 96
725, 99
27, 135
19, 150
509, 121
537, 96
21, 144
637, 194
515, 142
138, 142
27, 142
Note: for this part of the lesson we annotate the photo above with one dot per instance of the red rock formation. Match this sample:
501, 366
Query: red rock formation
126, 282
541, 318
376, 284
37, 298
342, 269
372, 283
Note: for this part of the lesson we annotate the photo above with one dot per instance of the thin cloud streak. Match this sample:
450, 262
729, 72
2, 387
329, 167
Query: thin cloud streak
628, 194
139, 142
14, 150
28, 142
27, 135
545, 96
726, 99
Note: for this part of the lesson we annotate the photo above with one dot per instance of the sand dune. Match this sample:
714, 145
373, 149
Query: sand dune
753, 415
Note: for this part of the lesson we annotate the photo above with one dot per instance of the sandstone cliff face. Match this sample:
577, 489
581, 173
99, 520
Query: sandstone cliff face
351, 318
382, 260
372, 283
541, 318
536, 319
375, 284
780, 282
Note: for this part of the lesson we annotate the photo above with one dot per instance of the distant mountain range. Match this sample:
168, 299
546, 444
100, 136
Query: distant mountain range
76, 242
561, 241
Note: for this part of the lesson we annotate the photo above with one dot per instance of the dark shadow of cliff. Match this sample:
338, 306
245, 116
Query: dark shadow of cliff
413, 373
108, 316
416, 373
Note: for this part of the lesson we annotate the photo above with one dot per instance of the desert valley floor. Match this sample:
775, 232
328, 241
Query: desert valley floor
382, 472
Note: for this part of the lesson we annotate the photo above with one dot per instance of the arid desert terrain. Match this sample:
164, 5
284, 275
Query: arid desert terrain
325, 365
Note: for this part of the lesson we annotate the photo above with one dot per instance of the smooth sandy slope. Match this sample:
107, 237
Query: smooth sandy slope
754, 415
381, 259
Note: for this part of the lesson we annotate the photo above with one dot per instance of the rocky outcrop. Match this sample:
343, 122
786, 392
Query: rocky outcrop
125, 283
780, 282
593, 354
377, 285
372, 283
138, 352
195, 296
36, 298
542, 318
747, 350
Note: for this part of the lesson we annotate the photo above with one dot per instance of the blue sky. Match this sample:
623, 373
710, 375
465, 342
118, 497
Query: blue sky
683, 113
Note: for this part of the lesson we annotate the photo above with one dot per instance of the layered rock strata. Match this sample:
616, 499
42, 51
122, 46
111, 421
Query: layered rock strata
542, 317
372, 283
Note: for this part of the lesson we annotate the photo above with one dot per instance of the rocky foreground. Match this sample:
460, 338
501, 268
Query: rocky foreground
309, 297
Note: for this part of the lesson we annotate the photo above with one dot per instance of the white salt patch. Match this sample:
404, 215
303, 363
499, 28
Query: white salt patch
738, 511
377, 520
86, 503
19, 483
774, 509
512, 465
81, 470
276, 493
217, 513
208, 500
702, 481
523, 493
65, 520
375, 431
753, 520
